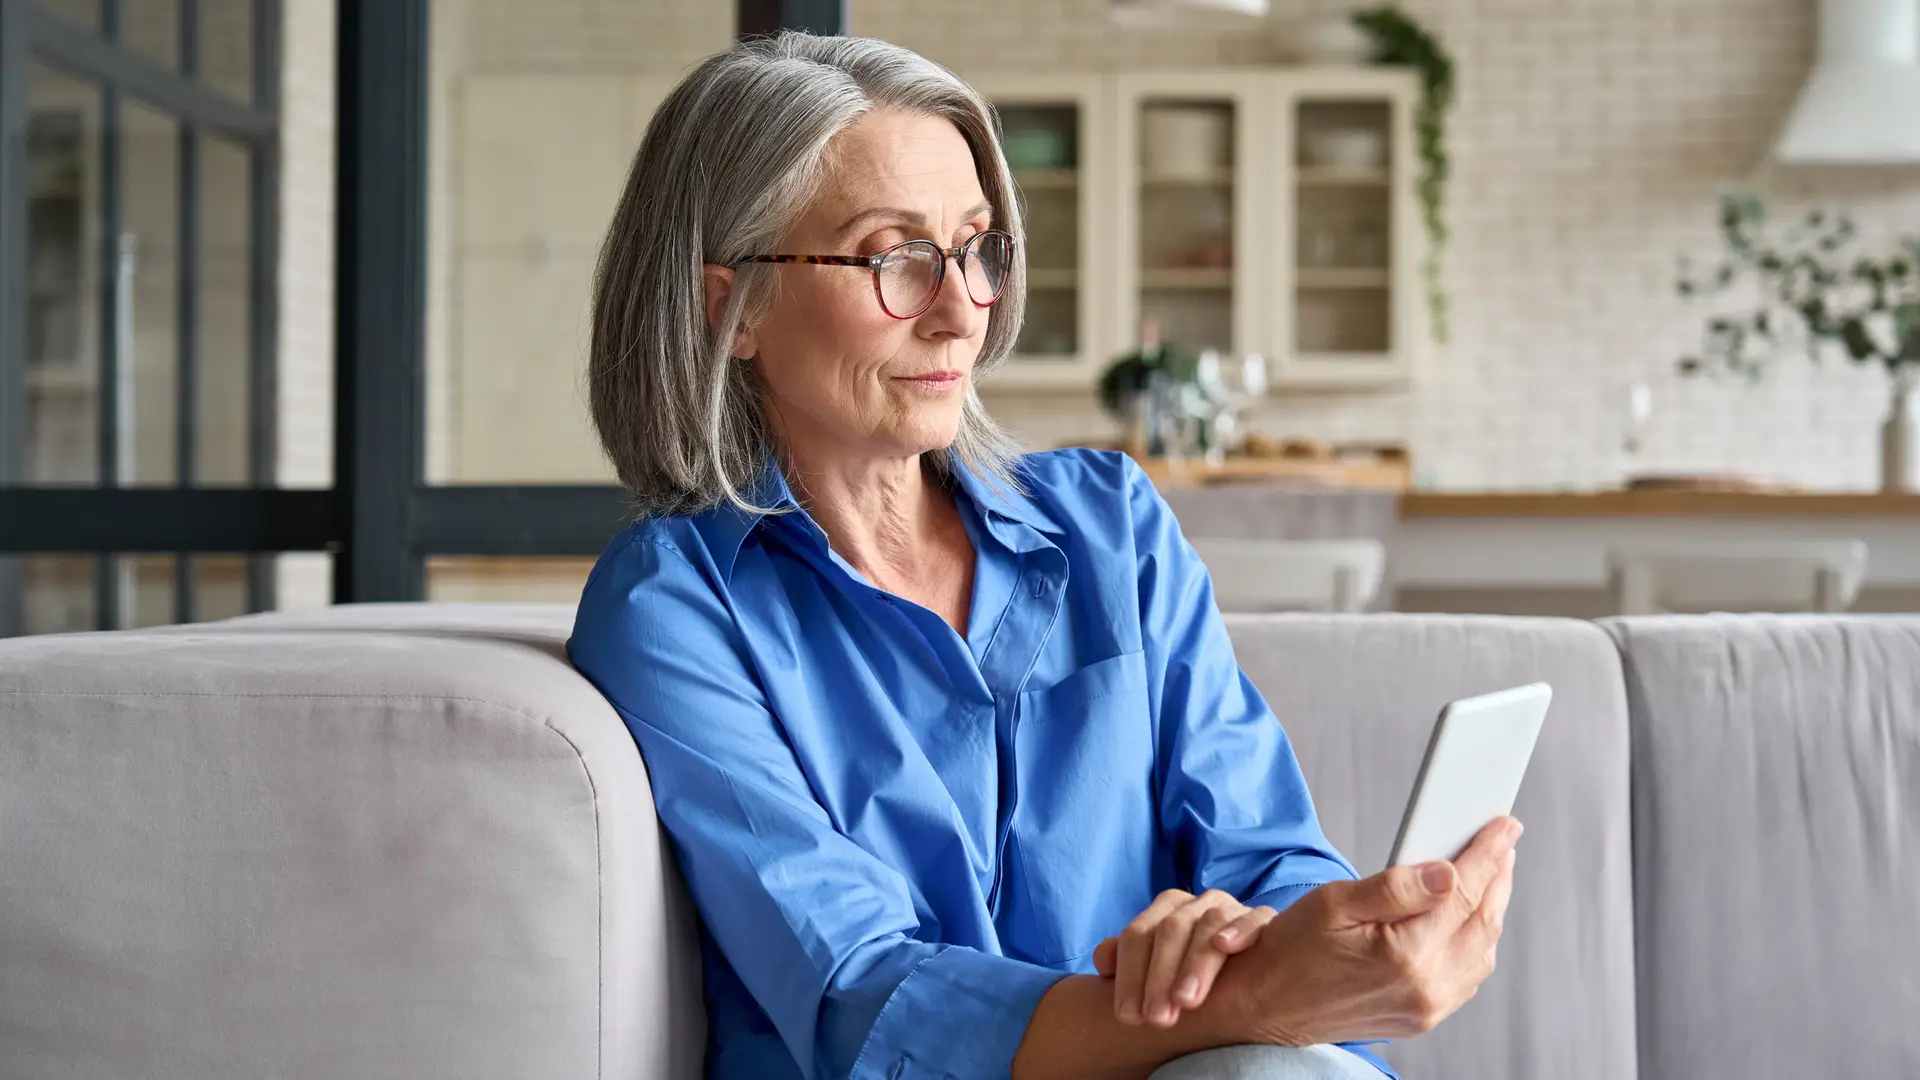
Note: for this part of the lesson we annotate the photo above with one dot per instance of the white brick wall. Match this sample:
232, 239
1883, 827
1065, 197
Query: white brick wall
1590, 139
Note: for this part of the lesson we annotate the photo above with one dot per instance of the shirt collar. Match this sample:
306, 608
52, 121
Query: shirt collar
725, 528
1007, 508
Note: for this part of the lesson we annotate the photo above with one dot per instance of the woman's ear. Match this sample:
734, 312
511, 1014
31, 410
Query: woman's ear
717, 281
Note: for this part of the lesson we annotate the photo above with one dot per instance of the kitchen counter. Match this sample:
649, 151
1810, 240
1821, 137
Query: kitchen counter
1659, 504
1561, 540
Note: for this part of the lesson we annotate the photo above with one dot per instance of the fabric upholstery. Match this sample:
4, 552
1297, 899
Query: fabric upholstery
371, 842
1359, 694
1776, 844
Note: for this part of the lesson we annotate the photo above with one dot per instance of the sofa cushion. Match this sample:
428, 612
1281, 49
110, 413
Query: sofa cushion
1359, 694
375, 842
1776, 844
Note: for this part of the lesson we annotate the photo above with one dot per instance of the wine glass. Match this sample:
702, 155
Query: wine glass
1228, 388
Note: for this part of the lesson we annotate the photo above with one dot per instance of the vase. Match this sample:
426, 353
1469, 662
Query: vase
1900, 435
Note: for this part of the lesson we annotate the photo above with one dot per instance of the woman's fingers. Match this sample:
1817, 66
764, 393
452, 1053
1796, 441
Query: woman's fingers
1243, 932
1136, 950
1172, 940
1104, 955
1220, 933
1490, 918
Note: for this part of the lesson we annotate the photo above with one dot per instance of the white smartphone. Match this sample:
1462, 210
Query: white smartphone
1475, 760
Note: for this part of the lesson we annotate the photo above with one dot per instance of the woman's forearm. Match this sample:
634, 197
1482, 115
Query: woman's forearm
1075, 1033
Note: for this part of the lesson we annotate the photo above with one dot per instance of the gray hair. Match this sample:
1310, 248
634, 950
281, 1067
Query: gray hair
728, 165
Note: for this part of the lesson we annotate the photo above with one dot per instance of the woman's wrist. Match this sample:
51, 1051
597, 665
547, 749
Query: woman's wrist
1238, 1010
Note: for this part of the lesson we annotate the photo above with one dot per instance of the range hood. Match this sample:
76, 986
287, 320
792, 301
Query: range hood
1861, 104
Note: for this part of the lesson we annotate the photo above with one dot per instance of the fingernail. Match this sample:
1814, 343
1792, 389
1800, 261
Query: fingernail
1228, 935
1514, 829
1435, 877
1190, 990
1130, 1011
1163, 1014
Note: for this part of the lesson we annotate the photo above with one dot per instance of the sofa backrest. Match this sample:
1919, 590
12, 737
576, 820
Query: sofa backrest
371, 842
1358, 696
1776, 844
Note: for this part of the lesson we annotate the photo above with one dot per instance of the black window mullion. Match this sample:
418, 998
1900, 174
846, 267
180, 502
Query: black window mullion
379, 295
106, 583
263, 343
101, 57
754, 18
186, 316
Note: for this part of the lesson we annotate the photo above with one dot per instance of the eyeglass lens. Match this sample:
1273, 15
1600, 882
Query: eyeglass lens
911, 273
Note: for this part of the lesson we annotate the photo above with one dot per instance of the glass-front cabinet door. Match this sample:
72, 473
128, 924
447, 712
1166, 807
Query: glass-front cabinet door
1349, 308
1192, 160
1056, 144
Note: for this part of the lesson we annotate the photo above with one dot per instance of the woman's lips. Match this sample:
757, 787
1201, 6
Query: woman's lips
936, 380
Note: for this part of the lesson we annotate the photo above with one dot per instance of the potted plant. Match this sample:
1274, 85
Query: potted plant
1141, 389
1398, 38
1806, 289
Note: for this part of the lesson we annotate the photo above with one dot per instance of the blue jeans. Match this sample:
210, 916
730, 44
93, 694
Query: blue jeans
1268, 1063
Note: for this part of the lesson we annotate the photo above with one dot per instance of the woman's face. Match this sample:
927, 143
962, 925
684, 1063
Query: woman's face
847, 380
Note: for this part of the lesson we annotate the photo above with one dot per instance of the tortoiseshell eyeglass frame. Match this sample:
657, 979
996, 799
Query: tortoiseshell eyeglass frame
875, 262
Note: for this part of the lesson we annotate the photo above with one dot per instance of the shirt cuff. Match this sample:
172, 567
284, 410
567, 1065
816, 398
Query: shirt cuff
1360, 1051
960, 1014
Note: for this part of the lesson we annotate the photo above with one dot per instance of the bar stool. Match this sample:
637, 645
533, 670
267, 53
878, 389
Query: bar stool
1809, 575
1255, 576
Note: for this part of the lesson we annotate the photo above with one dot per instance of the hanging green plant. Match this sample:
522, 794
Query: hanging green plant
1398, 39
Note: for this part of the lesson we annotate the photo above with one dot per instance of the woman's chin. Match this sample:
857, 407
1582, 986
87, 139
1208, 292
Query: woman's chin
932, 433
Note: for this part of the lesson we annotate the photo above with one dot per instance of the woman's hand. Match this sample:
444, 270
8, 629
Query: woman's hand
1385, 957
1166, 959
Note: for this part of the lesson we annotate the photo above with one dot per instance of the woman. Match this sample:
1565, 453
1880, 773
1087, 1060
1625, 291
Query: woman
950, 742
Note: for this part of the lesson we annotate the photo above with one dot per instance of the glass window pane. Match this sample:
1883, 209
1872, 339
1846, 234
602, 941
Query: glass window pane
84, 12
304, 335
56, 593
1185, 203
1042, 147
302, 580
226, 45
146, 590
507, 578
150, 260
63, 278
152, 29
224, 305
219, 586
534, 120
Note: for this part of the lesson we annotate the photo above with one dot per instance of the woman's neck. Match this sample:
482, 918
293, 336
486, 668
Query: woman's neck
881, 514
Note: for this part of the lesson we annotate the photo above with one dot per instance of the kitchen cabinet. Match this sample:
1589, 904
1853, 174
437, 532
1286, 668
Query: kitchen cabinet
1057, 135
1269, 211
1206, 200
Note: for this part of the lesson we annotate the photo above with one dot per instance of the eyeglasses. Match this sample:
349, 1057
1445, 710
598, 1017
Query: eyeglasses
907, 277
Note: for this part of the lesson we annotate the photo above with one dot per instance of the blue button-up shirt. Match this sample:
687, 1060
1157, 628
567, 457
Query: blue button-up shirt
899, 838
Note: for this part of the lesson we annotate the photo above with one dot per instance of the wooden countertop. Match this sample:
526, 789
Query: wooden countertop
1723, 504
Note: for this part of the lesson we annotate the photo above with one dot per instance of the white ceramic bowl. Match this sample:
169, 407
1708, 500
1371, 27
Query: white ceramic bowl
1346, 148
1185, 141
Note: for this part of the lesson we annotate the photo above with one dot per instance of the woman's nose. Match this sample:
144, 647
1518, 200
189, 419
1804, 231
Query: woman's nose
953, 312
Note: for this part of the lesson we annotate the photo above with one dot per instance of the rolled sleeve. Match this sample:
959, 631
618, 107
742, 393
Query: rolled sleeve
981, 1004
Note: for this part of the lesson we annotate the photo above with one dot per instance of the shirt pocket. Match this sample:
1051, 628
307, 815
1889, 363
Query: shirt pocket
1083, 828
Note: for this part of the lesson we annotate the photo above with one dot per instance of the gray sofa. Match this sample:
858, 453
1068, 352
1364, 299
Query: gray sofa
408, 841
